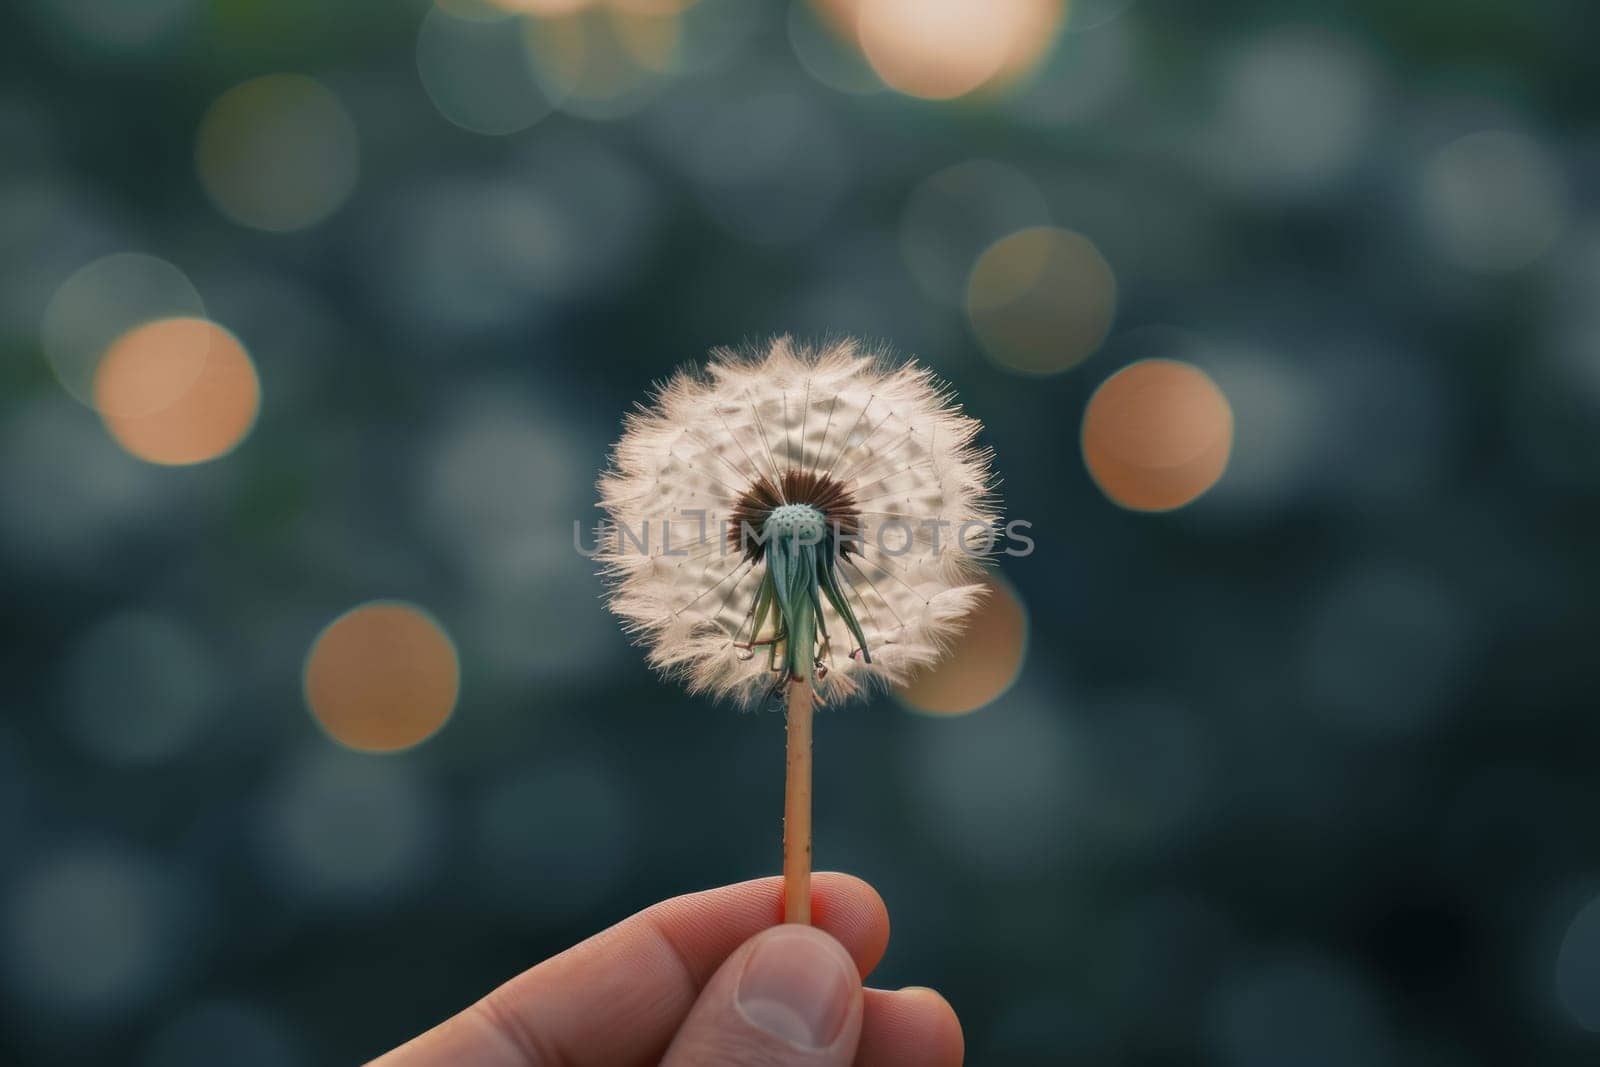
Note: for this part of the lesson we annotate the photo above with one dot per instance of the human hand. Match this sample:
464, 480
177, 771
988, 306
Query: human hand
708, 978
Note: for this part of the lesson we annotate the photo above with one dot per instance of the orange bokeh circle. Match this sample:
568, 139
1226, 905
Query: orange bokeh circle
382, 677
1157, 434
984, 662
177, 391
942, 49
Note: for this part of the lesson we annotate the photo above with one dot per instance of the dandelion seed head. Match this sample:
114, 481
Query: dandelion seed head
796, 511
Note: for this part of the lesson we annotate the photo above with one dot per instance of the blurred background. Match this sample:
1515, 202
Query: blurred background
316, 322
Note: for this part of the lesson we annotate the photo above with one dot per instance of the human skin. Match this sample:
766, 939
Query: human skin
708, 978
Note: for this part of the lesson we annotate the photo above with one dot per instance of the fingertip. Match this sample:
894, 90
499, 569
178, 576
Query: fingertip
913, 1027
854, 912
939, 1021
799, 984
845, 884
939, 1016
789, 995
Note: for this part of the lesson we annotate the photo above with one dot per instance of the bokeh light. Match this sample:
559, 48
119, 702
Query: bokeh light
1032, 29
1348, 416
1578, 967
382, 677
1280, 431
278, 153
984, 663
476, 72
1556, 400
347, 828
1157, 434
956, 213
941, 49
471, 256
999, 790
155, 411
52, 226
70, 499
151, 367
605, 63
138, 689
473, 491
477, 10
1041, 300
567, 223
1082, 79
747, 153
1094, 14
1297, 108
840, 16
102, 302
652, 7
547, 8
91, 931
130, 25
460, 247
476, 506
1392, 427
1493, 201
815, 34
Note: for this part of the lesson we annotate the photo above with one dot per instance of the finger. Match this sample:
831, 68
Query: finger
912, 1027
790, 997
618, 997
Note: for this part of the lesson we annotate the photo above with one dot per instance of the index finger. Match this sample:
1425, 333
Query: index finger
618, 997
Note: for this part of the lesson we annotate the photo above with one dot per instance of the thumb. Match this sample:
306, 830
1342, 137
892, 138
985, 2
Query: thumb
789, 995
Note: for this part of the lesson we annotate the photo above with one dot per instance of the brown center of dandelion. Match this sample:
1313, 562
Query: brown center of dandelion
756, 505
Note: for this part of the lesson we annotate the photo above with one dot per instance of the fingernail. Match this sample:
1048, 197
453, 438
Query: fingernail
796, 988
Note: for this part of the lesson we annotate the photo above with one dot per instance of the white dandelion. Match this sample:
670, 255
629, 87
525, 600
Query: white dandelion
809, 520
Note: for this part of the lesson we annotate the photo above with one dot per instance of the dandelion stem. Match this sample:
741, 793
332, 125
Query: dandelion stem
797, 806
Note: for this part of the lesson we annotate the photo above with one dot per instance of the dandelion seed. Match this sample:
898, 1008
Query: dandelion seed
812, 512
